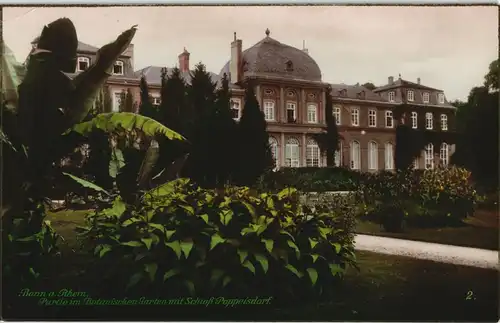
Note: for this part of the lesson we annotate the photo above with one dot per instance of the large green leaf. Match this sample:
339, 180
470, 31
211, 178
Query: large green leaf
148, 164
116, 163
110, 122
86, 183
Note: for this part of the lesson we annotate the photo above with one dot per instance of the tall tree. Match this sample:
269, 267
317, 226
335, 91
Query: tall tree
255, 156
370, 86
201, 92
126, 103
146, 108
328, 141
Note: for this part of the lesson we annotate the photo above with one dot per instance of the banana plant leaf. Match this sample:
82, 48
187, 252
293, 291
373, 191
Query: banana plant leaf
10, 77
110, 122
148, 164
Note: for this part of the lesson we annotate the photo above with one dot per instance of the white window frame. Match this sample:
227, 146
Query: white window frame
441, 98
410, 95
119, 63
269, 111
312, 113
117, 96
429, 121
291, 106
355, 150
372, 155
429, 156
372, 116
82, 59
355, 117
444, 154
415, 163
389, 116
273, 143
391, 96
426, 97
389, 156
337, 114
313, 154
444, 122
237, 102
414, 120
155, 100
338, 155
292, 152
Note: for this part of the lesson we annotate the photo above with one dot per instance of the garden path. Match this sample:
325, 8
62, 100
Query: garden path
430, 251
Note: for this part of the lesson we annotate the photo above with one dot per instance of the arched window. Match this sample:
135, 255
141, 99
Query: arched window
273, 143
429, 156
444, 154
312, 154
389, 155
292, 153
372, 155
355, 155
338, 155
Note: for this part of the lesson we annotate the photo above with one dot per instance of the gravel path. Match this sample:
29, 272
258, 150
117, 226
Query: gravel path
431, 251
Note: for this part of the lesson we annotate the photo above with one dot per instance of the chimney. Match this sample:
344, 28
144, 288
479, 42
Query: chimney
130, 53
235, 65
390, 80
418, 80
184, 61
304, 49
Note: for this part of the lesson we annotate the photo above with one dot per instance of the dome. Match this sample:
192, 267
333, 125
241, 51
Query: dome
271, 58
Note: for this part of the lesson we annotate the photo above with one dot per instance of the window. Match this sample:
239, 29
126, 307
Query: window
355, 117
414, 120
391, 96
117, 98
355, 155
415, 163
410, 96
236, 109
289, 66
292, 153
312, 154
444, 122
269, 110
118, 68
428, 121
441, 98
338, 155
273, 143
291, 112
372, 155
156, 100
444, 154
389, 122
337, 115
426, 97
372, 118
82, 64
312, 113
389, 155
429, 156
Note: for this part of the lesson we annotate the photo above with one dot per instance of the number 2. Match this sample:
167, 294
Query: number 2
469, 295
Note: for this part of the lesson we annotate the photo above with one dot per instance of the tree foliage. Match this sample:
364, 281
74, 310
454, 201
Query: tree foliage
255, 156
146, 107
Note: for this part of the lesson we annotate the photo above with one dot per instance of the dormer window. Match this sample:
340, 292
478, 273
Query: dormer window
289, 66
361, 95
426, 97
411, 96
82, 64
441, 98
391, 96
343, 93
118, 68
236, 109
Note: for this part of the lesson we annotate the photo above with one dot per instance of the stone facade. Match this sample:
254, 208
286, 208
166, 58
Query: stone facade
291, 92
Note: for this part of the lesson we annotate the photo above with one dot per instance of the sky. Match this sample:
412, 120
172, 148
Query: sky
449, 48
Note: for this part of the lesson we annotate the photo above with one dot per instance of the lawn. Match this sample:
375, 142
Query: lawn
480, 231
386, 288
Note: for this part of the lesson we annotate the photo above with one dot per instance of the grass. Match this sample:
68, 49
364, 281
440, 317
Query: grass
478, 232
386, 288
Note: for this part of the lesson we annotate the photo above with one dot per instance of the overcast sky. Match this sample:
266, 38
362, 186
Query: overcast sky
449, 48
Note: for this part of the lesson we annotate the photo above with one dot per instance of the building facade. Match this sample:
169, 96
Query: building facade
292, 95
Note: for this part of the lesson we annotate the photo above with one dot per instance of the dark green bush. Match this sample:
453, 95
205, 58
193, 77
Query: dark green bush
184, 240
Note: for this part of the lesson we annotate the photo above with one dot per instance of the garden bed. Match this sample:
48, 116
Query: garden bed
386, 288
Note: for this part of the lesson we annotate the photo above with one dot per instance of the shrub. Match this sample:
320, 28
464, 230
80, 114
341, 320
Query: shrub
184, 240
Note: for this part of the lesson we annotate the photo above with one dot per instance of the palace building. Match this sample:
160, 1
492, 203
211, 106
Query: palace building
292, 95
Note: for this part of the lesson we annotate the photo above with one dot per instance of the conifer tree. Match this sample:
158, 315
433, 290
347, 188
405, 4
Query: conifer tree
255, 156
146, 108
